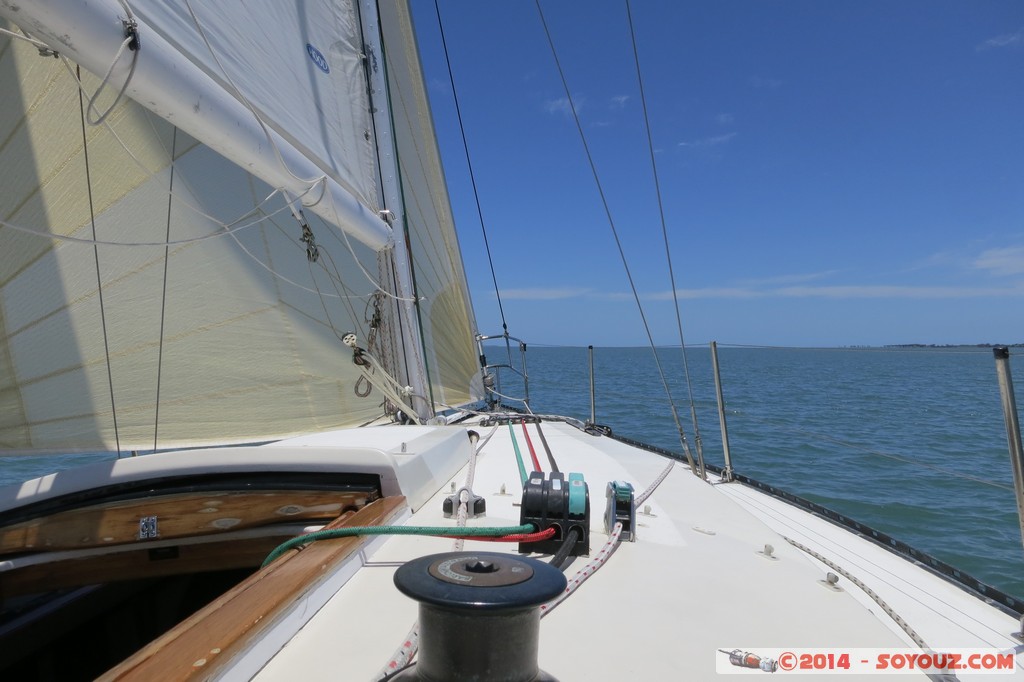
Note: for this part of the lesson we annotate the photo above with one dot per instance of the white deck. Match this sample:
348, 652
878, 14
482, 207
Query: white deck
694, 581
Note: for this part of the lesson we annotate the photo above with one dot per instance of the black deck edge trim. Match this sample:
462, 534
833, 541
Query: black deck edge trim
1007, 603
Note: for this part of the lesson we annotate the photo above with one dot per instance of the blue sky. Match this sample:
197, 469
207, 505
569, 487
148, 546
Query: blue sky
833, 173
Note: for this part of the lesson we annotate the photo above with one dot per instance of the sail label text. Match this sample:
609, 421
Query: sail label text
318, 58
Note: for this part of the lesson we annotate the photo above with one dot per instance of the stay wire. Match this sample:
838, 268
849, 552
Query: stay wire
469, 165
664, 232
618, 244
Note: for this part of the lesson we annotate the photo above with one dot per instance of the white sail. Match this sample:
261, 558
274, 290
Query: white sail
445, 309
299, 64
238, 341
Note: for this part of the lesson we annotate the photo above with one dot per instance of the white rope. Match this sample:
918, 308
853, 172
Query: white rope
403, 654
28, 39
91, 108
584, 573
392, 391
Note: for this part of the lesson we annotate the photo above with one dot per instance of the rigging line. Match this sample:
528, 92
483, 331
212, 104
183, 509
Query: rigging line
529, 443
100, 118
334, 277
179, 242
418, 367
469, 164
519, 455
99, 281
163, 295
142, 166
664, 232
622, 255
399, 358
547, 448
642, 497
281, 277
40, 45
348, 245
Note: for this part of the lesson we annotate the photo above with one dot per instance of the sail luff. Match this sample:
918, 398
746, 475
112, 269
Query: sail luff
406, 303
171, 86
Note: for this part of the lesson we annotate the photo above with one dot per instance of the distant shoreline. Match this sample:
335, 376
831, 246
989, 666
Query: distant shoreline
952, 345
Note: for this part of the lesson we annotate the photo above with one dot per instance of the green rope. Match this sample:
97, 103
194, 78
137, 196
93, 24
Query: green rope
519, 455
452, 531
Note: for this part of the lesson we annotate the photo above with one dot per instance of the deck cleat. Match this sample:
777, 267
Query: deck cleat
475, 506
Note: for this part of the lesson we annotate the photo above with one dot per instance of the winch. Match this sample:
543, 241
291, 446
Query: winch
479, 615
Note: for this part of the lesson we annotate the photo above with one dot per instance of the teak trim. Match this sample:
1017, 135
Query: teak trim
200, 645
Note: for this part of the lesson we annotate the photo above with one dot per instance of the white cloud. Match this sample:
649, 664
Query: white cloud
1004, 261
542, 294
563, 106
712, 141
842, 292
788, 279
1008, 40
619, 101
725, 119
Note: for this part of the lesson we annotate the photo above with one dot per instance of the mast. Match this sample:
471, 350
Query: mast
170, 85
392, 192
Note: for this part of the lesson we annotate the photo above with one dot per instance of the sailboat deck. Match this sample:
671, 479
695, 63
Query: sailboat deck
696, 571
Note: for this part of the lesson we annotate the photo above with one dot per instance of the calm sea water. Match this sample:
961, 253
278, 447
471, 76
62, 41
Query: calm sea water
911, 442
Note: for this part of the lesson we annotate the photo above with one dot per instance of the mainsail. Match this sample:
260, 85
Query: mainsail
155, 293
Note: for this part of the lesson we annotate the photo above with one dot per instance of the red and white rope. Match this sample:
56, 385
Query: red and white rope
404, 653
642, 497
584, 573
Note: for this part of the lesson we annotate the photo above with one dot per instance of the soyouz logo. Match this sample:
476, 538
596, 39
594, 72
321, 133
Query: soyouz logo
318, 58
862, 661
